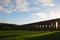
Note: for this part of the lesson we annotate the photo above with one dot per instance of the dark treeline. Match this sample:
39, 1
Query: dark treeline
7, 26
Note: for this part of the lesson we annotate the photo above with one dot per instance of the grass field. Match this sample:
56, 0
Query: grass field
29, 35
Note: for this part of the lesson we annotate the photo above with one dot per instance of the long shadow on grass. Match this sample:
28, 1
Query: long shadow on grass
54, 36
6, 36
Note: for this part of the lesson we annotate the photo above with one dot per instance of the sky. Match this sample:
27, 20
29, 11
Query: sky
28, 11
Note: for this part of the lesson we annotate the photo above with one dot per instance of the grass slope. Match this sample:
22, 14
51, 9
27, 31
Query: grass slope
29, 35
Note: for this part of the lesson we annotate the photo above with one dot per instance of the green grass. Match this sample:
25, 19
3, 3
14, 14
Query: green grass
29, 35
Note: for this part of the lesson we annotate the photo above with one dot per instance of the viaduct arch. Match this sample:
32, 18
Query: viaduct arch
53, 24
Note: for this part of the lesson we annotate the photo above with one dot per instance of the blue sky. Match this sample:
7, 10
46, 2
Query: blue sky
28, 11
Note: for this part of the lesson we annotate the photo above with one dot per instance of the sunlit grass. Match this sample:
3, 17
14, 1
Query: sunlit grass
22, 35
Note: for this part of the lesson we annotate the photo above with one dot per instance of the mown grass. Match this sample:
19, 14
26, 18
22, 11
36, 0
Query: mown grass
29, 35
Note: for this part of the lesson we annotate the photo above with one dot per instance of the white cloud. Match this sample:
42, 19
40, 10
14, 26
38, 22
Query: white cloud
6, 1
8, 11
50, 15
55, 14
22, 5
41, 15
45, 2
52, 4
1, 8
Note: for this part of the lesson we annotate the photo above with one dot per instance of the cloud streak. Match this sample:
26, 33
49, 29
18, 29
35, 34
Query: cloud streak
49, 15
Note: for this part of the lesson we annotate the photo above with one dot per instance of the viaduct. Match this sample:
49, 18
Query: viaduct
53, 24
